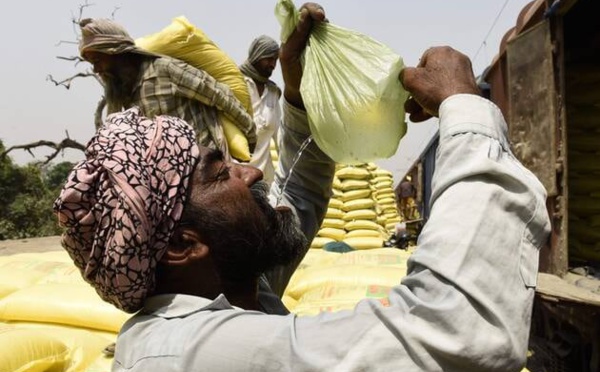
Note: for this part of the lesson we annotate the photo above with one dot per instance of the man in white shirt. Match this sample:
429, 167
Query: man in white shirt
257, 69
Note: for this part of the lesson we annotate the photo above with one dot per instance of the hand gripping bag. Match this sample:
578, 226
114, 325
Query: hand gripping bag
351, 91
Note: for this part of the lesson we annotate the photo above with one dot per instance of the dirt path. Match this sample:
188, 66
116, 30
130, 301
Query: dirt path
50, 243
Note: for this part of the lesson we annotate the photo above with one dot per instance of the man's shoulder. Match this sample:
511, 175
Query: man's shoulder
164, 62
274, 88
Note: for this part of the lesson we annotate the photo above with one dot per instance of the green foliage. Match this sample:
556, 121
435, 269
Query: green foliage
26, 197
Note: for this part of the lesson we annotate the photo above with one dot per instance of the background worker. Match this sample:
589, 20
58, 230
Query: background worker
257, 69
160, 85
406, 197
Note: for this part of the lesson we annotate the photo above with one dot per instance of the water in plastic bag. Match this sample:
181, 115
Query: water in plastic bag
351, 91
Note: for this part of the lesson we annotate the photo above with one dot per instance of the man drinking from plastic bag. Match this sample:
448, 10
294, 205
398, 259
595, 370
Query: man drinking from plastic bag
465, 304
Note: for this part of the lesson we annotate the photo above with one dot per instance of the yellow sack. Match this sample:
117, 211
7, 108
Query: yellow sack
362, 224
289, 302
333, 233
102, 364
84, 346
390, 201
336, 203
355, 194
25, 350
358, 204
360, 214
353, 173
386, 194
184, 41
70, 304
335, 223
23, 270
381, 179
376, 257
313, 258
334, 213
351, 184
364, 233
12, 279
320, 241
332, 298
343, 275
364, 242
332, 292
382, 173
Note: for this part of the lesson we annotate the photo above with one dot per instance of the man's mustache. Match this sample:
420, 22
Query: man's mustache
260, 192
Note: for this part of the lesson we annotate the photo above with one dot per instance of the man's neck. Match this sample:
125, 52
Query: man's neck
243, 295
260, 87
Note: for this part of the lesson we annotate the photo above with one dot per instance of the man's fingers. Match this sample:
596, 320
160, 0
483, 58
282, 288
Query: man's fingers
309, 14
416, 112
407, 76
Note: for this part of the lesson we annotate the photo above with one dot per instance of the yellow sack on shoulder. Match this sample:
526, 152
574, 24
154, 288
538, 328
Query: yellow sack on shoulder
184, 41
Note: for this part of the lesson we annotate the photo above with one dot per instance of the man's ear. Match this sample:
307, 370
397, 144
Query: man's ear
184, 247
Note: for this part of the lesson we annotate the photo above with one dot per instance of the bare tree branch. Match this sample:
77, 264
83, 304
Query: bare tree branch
67, 82
68, 143
77, 59
114, 12
81, 9
58, 147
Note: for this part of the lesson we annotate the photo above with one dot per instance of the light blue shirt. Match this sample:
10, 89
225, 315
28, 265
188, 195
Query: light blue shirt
465, 304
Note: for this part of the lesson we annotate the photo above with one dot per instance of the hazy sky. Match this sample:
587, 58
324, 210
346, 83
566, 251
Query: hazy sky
32, 108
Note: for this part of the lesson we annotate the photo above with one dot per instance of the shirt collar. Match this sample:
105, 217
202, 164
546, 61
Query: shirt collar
179, 305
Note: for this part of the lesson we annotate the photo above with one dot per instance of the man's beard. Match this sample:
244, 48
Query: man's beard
118, 89
246, 247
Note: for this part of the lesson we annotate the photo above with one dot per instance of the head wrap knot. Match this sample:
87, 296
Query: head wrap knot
106, 36
121, 204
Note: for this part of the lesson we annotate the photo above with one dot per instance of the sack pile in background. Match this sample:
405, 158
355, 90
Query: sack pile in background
362, 212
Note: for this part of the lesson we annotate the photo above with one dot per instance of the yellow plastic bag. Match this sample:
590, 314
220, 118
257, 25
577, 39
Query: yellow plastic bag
351, 90
184, 41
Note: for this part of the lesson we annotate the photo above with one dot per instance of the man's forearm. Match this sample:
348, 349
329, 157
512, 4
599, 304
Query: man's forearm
474, 272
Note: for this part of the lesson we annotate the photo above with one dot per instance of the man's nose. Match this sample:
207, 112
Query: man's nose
248, 173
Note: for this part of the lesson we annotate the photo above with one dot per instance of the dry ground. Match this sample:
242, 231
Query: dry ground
32, 245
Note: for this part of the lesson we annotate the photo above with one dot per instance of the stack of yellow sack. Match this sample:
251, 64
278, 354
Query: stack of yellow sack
362, 212
328, 281
50, 319
385, 198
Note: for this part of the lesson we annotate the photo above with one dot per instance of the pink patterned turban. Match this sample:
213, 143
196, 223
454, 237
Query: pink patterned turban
121, 204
